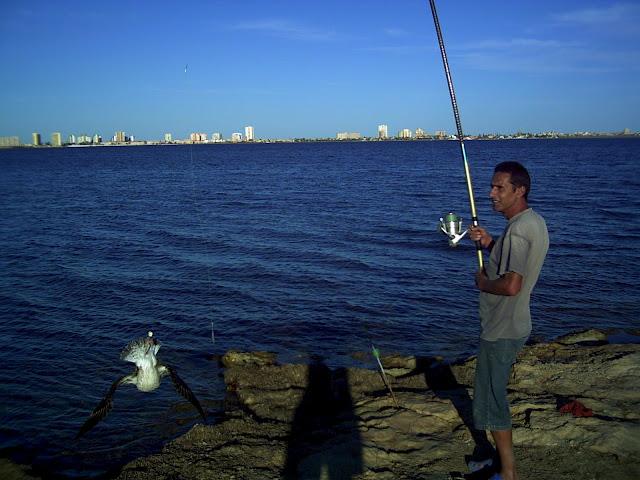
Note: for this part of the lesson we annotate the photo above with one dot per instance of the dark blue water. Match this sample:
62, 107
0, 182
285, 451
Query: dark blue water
301, 249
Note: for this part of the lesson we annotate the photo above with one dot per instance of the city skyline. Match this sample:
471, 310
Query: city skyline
302, 71
121, 137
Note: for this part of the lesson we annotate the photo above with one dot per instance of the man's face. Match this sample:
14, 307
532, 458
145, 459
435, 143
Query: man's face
504, 195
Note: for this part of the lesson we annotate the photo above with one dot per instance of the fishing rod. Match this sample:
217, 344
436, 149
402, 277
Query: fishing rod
451, 225
383, 373
376, 354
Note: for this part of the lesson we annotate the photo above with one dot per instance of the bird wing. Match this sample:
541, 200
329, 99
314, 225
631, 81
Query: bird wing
183, 389
103, 408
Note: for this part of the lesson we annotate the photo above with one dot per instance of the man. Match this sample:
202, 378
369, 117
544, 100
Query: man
505, 289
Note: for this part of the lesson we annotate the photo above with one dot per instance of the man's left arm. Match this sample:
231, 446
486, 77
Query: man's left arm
508, 284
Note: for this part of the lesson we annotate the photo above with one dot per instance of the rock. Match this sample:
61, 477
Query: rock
14, 471
592, 335
397, 365
310, 421
234, 358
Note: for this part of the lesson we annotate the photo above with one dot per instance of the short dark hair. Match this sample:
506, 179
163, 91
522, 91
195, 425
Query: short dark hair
519, 175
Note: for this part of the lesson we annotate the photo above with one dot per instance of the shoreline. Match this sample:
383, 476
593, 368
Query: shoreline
311, 421
470, 138
308, 417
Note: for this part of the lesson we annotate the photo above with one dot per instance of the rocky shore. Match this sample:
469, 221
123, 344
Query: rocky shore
313, 422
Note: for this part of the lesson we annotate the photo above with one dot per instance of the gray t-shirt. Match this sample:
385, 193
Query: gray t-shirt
521, 249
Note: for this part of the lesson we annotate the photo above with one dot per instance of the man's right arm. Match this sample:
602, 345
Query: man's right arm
479, 234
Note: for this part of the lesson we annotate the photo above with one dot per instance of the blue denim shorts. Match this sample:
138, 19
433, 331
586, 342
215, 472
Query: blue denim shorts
490, 405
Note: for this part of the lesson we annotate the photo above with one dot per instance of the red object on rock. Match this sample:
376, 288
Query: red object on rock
577, 409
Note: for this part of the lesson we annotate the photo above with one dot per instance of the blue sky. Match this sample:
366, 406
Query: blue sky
313, 68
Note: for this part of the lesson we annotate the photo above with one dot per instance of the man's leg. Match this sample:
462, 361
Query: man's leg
504, 445
490, 404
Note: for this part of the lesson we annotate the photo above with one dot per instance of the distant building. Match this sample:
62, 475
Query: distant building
236, 137
404, 133
248, 134
627, 131
198, 137
9, 141
168, 138
348, 136
383, 131
97, 139
35, 139
84, 139
56, 139
216, 137
120, 137
420, 133
440, 134
71, 139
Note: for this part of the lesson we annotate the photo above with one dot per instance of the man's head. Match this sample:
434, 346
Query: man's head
509, 188
519, 175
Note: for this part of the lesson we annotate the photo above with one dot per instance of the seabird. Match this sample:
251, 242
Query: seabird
146, 377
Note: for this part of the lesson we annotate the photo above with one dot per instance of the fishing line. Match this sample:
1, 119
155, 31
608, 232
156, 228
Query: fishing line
456, 114
199, 213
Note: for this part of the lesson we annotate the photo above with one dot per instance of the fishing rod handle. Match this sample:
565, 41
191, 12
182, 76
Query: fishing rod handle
472, 203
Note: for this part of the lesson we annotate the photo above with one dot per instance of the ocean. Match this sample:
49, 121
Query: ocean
303, 249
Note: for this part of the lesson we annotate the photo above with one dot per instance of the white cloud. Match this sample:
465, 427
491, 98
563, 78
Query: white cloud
517, 43
537, 55
286, 29
618, 13
576, 60
395, 32
398, 49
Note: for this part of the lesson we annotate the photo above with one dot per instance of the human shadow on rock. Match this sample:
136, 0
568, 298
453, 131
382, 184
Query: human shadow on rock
440, 379
324, 441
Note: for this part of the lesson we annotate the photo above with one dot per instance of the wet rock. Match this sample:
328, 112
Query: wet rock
310, 421
591, 336
234, 358
397, 365
14, 471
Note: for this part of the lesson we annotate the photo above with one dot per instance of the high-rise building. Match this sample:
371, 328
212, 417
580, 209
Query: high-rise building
347, 136
404, 133
248, 134
10, 141
168, 137
236, 137
71, 139
35, 139
198, 137
216, 137
120, 137
383, 131
420, 133
97, 139
56, 139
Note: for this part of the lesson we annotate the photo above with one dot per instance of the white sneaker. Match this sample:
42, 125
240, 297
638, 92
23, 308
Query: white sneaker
479, 465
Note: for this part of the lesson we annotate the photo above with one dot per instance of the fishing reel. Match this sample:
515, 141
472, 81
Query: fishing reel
451, 226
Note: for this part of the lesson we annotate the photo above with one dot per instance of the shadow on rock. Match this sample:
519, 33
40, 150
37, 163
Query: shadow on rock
440, 379
325, 440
